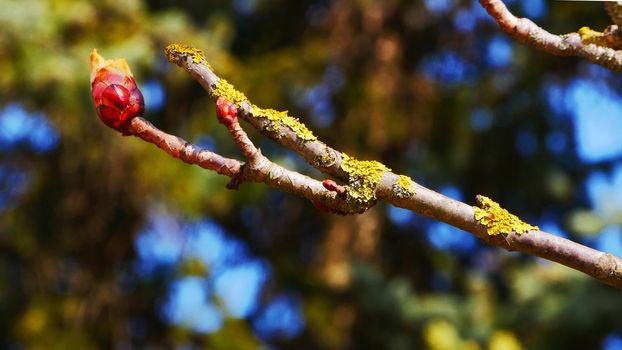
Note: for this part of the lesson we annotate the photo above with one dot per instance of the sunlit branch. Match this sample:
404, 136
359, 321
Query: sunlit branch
391, 188
571, 44
398, 190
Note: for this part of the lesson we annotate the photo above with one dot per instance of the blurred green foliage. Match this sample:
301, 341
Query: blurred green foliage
355, 72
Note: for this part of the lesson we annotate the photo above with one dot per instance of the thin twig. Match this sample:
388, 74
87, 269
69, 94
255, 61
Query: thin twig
241, 139
180, 148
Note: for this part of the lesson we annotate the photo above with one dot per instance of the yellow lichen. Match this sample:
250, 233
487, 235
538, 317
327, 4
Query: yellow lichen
364, 177
590, 36
226, 90
606, 39
498, 220
326, 158
185, 50
609, 38
403, 187
277, 119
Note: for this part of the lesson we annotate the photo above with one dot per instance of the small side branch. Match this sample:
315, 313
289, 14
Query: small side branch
571, 44
227, 114
258, 169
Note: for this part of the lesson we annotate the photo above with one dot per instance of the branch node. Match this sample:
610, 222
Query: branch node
237, 179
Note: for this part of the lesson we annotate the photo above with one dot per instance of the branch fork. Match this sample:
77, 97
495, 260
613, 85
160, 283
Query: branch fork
366, 182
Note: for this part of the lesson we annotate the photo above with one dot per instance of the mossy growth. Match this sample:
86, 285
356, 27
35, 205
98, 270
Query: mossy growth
223, 89
174, 50
403, 187
364, 176
498, 220
278, 119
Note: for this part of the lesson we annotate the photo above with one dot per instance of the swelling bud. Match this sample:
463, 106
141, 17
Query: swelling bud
115, 94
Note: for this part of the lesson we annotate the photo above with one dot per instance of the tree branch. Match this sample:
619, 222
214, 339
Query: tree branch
399, 190
581, 44
366, 181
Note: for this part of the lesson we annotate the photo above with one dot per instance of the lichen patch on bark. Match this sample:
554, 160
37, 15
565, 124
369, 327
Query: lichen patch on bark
498, 220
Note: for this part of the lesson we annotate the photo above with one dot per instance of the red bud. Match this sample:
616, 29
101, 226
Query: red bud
115, 94
226, 111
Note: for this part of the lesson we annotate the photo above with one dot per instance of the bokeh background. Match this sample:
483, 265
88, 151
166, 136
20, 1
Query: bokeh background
108, 243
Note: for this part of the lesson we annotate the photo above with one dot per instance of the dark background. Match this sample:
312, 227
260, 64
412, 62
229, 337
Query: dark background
107, 242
